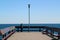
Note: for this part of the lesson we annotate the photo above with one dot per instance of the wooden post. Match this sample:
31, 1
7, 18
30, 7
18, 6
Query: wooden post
1, 36
58, 35
39, 29
46, 31
21, 28
18, 29
52, 33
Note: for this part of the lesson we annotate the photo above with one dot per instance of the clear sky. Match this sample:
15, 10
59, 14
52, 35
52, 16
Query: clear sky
42, 11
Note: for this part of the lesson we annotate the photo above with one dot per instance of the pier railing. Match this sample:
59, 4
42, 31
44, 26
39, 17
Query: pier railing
6, 32
50, 31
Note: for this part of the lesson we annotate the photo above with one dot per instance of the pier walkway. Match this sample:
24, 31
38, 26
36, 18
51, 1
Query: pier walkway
29, 36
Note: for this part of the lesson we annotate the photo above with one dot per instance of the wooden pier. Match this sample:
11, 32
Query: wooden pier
49, 31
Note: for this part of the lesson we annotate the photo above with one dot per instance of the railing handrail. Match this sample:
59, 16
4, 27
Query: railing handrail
3, 31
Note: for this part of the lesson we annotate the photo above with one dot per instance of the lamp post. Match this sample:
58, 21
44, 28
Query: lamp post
28, 17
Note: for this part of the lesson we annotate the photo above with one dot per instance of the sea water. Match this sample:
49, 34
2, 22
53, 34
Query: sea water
49, 25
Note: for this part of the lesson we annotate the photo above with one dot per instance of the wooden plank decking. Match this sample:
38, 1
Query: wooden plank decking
29, 36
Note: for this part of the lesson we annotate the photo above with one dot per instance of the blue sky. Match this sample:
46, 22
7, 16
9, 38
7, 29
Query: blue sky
42, 11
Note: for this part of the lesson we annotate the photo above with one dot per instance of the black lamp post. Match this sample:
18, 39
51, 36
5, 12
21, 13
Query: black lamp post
28, 16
